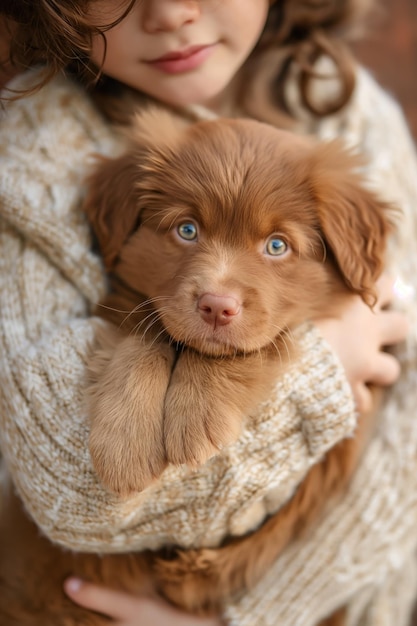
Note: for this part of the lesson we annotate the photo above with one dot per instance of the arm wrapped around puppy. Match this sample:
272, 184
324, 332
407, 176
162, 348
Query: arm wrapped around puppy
49, 281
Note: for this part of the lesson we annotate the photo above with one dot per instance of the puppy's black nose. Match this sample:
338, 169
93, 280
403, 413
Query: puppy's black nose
218, 310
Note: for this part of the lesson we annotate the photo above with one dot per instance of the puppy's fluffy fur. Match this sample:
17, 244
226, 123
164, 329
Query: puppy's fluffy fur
219, 239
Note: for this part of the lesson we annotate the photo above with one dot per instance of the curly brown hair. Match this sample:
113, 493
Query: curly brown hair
57, 35
306, 30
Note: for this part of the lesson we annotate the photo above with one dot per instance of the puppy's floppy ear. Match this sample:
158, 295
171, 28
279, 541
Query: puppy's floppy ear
112, 203
354, 221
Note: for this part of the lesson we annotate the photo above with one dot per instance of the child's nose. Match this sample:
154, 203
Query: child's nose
169, 15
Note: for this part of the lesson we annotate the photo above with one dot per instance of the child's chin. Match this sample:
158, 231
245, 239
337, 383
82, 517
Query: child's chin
189, 92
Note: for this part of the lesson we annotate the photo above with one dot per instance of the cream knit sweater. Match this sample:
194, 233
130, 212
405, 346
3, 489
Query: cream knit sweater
363, 551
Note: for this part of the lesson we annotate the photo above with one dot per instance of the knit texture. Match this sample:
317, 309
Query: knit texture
363, 552
49, 281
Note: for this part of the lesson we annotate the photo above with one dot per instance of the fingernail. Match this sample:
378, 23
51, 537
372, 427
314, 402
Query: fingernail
73, 585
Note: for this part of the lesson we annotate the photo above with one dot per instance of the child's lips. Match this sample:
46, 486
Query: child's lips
183, 60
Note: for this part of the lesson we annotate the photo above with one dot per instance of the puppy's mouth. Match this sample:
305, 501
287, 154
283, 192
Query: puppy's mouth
215, 348
216, 342
215, 323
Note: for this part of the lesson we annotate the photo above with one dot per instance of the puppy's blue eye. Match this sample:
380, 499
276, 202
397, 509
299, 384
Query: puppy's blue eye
275, 246
187, 231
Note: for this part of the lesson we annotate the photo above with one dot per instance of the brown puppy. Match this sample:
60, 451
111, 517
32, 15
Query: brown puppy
219, 239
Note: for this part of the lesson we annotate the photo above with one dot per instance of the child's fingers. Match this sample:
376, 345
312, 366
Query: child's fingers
130, 610
386, 370
394, 327
115, 604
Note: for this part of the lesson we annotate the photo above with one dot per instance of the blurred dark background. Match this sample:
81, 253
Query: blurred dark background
390, 51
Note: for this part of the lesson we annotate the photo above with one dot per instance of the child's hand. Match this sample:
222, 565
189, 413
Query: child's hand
359, 335
128, 610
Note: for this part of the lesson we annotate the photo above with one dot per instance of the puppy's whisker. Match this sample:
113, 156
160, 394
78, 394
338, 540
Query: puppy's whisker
323, 243
153, 215
285, 335
137, 330
288, 333
111, 308
139, 307
138, 327
287, 339
167, 214
157, 336
171, 340
284, 341
153, 313
260, 352
156, 212
132, 313
280, 350
150, 301
282, 330
161, 310
164, 213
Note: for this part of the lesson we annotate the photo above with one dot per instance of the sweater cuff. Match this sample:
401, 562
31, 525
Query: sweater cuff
321, 392
310, 410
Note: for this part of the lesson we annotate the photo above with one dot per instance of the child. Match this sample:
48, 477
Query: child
204, 58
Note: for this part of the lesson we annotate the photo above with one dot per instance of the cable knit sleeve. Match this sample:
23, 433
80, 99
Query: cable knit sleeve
362, 554
49, 279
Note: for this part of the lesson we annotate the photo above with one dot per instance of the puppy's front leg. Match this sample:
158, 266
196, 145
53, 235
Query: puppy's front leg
207, 400
129, 378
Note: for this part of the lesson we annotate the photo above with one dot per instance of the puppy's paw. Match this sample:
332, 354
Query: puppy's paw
197, 429
126, 406
128, 461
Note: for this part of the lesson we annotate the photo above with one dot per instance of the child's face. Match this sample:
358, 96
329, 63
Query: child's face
179, 51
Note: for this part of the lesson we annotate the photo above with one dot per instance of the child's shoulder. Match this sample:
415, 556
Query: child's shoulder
372, 98
370, 112
59, 112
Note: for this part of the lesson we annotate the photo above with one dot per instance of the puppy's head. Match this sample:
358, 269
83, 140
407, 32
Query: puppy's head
232, 227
